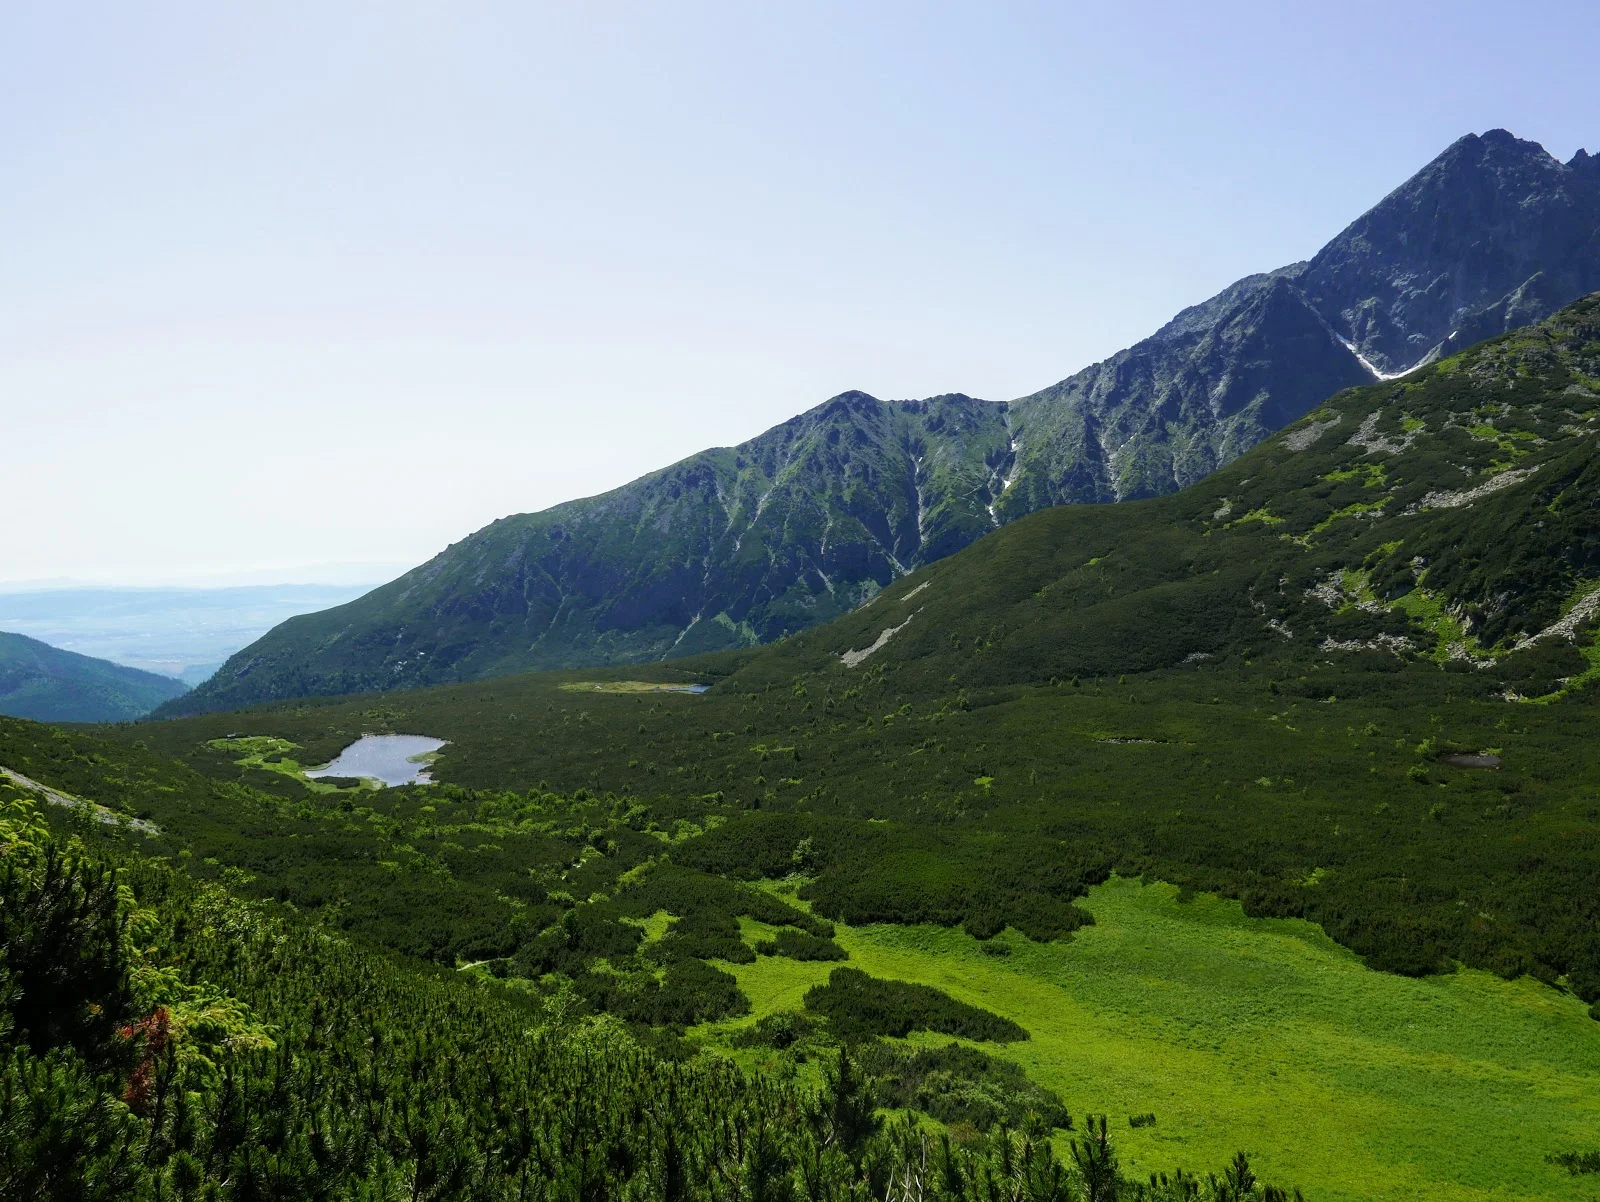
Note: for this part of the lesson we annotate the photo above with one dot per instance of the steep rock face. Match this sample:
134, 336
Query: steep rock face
745, 544
1493, 234
1169, 411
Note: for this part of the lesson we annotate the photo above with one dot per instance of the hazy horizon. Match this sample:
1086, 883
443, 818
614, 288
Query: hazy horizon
338, 285
182, 632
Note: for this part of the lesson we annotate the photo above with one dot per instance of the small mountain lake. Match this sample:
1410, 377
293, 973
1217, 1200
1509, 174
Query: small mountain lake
631, 686
1467, 759
392, 759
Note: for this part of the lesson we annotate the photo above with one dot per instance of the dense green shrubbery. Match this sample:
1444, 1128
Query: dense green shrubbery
858, 1006
338, 782
1578, 1163
881, 873
798, 945
688, 992
600, 945
160, 1039
960, 1086
781, 1030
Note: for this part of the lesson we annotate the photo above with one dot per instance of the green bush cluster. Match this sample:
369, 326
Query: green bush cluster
160, 1039
961, 1087
858, 1006
798, 945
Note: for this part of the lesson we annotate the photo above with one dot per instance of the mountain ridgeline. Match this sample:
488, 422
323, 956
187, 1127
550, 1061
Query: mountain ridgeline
731, 547
744, 545
1448, 517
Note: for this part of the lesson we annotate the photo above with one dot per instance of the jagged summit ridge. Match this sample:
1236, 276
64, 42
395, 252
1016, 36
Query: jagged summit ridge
1493, 234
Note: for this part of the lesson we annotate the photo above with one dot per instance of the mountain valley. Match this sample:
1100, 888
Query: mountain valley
1172, 785
1203, 807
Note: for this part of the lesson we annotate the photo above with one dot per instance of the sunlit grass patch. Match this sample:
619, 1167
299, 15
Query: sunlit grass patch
1265, 1034
273, 755
655, 926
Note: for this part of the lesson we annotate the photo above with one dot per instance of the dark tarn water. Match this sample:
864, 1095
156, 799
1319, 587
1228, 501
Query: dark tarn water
1462, 759
389, 758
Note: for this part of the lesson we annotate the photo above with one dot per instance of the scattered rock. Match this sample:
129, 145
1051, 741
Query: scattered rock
1454, 500
1299, 440
851, 658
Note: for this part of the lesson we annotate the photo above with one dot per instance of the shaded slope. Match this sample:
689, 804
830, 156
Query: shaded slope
51, 685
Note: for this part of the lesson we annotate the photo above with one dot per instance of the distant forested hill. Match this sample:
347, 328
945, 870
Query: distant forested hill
50, 685
744, 545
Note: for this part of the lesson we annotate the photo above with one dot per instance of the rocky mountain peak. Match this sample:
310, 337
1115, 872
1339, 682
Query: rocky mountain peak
1450, 256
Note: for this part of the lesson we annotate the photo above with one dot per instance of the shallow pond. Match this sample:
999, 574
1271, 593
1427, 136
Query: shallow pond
392, 759
1465, 759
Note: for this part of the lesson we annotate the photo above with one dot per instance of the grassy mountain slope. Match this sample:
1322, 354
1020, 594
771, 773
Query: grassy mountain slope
743, 545
43, 682
728, 548
1449, 517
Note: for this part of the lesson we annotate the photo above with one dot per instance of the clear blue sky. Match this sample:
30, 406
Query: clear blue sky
290, 285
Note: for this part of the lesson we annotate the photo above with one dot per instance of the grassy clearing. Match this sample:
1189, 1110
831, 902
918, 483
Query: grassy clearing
654, 927
1428, 610
1265, 1033
274, 755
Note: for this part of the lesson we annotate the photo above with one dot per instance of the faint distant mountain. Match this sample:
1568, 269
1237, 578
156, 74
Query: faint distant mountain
745, 544
50, 685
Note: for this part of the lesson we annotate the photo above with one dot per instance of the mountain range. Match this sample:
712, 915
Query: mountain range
804, 523
1449, 517
48, 684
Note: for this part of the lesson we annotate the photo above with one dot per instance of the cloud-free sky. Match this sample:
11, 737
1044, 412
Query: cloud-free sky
289, 286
